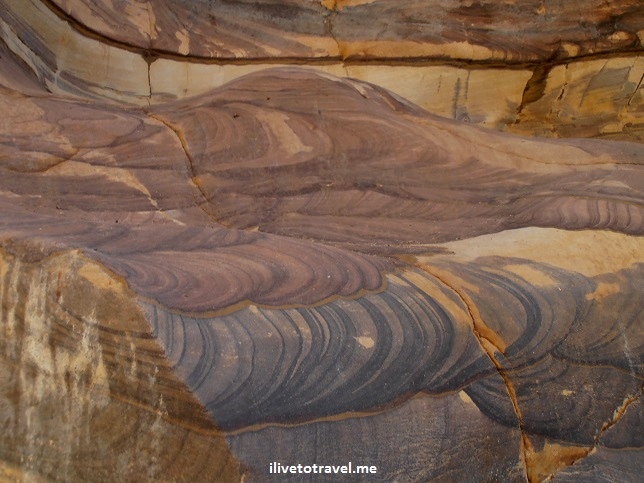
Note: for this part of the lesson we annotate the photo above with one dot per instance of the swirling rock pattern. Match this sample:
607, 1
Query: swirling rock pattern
306, 269
302, 175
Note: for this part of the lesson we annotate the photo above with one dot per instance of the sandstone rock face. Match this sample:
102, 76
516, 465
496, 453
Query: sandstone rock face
556, 69
240, 236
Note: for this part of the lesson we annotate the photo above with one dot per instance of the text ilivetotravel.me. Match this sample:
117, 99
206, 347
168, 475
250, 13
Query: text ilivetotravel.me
278, 468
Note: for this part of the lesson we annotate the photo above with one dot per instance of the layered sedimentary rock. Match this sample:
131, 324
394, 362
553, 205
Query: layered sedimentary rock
556, 69
301, 268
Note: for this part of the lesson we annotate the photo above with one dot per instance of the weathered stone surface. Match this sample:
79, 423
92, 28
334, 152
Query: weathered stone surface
299, 267
512, 31
596, 98
424, 439
87, 392
548, 69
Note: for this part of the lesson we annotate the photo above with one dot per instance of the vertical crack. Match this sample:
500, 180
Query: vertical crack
149, 56
564, 85
491, 343
593, 79
556, 104
332, 7
149, 85
192, 174
639, 84
535, 87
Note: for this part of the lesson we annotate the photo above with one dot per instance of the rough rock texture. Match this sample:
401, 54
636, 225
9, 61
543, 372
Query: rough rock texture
555, 68
299, 267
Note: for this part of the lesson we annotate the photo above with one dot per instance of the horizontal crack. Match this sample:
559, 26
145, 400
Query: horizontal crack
618, 414
153, 54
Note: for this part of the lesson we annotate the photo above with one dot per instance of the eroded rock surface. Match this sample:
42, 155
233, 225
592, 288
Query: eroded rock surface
554, 69
297, 267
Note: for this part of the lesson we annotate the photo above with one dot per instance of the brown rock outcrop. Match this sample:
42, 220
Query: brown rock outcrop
303, 268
